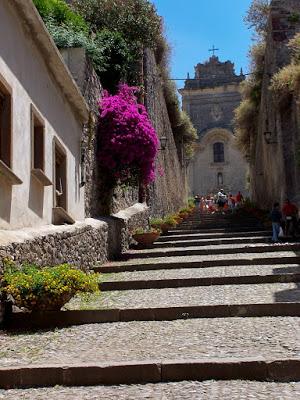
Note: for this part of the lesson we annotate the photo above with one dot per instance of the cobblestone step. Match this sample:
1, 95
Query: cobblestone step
199, 262
212, 250
191, 296
186, 390
202, 236
209, 242
194, 282
268, 337
176, 231
210, 272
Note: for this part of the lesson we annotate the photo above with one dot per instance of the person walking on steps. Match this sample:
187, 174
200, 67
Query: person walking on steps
276, 218
221, 200
290, 212
239, 199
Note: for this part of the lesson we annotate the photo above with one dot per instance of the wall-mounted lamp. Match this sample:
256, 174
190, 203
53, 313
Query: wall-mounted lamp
269, 138
163, 143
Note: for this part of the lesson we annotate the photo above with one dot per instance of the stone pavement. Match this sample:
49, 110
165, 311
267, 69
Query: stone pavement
259, 337
207, 390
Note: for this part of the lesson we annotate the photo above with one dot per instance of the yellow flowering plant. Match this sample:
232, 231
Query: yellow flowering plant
49, 288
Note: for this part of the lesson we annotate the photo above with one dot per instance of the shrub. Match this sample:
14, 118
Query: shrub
36, 288
156, 222
170, 220
128, 142
287, 80
245, 126
61, 14
136, 20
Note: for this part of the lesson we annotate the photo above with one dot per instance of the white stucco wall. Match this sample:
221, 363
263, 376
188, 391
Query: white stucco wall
24, 68
204, 171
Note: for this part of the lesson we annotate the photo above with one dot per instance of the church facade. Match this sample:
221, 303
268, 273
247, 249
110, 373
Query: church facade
210, 99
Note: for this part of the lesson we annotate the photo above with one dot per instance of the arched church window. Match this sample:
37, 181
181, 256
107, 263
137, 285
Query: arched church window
218, 152
220, 178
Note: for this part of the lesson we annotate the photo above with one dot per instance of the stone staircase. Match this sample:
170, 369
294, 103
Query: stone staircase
211, 311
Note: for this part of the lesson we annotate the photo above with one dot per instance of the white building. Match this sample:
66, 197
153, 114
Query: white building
41, 118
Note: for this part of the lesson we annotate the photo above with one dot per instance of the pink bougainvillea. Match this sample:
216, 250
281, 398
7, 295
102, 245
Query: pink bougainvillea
128, 141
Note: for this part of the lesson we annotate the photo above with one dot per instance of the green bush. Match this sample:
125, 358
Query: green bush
136, 20
36, 288
59, 12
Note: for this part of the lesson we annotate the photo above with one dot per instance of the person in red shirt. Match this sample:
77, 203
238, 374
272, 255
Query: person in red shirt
239, 199
290, 213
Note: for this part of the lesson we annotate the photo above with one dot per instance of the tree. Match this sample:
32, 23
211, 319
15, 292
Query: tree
257, 17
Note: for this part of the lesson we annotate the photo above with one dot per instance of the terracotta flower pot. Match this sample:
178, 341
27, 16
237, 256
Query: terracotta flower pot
165, 228
146, 238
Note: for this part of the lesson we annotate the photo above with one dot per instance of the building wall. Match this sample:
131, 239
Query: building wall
169, 191
275, 172
211, 109
24, 68
204, 171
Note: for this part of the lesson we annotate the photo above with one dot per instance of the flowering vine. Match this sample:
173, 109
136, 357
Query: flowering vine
127, 139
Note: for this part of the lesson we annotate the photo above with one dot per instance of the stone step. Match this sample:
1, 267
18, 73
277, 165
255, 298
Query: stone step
177, 231
194, 282
154, 371
211, 250
192, 262
192, 296
141, 340
209, 242
224, 235
185, 390
205, 272
28, 322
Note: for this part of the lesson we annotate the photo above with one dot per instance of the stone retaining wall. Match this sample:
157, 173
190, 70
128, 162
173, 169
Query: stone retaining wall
83, 244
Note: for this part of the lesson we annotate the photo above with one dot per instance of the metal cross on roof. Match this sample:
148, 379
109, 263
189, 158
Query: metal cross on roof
214, 49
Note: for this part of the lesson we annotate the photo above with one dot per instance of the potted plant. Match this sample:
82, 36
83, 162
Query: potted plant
156, 223
184, 213
146, 237
45, 289
168, 223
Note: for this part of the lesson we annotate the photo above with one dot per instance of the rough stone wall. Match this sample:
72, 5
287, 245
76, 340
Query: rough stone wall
92, 177
274, 170
169, 192
81, 244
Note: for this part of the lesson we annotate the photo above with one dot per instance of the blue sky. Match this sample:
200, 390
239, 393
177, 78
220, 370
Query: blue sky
193, 26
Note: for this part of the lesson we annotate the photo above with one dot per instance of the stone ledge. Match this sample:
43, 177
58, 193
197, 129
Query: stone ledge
52, 319
258, 368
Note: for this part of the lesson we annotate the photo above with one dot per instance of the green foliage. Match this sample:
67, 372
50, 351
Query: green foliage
141, 231
117, 57
294, 45
245, 126
156, 222
294, 18
33, 287
286, 81
60, 13
136, 20
170, 220
246, 114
